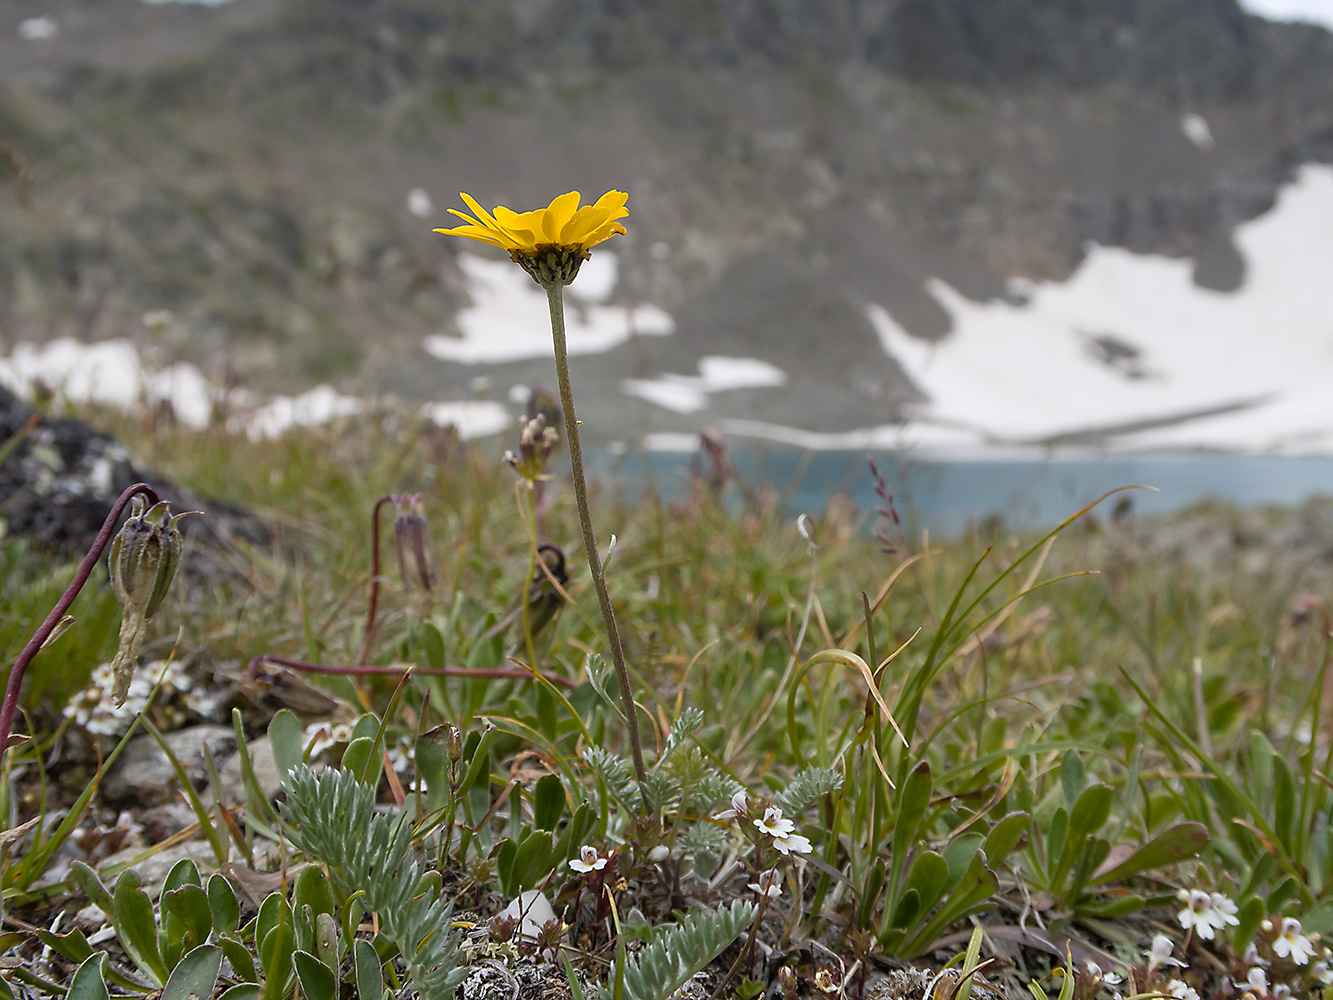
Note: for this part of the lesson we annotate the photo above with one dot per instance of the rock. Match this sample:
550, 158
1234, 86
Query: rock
266, 773
144, 776
62, 478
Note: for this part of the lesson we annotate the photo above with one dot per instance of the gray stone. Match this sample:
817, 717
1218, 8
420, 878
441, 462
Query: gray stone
266, 773
144, 776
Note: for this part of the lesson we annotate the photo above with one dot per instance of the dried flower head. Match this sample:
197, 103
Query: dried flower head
535, 445
142, 562
412, 540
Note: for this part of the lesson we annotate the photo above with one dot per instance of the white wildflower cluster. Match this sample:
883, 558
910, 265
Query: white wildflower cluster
783, 831
94, 710
1206, 913
785, 839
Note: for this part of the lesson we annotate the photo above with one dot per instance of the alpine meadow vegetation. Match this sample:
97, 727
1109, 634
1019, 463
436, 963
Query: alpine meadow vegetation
624, 747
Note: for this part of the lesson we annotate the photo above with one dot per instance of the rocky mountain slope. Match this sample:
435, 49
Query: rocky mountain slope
246, 167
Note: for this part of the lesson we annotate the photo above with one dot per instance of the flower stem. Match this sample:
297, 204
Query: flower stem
43, 632
373, 603
555, 298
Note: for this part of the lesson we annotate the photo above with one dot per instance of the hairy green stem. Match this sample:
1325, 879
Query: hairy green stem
555, 298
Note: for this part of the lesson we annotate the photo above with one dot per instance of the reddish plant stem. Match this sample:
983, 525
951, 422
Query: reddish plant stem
365, 671
66, 599
373, 603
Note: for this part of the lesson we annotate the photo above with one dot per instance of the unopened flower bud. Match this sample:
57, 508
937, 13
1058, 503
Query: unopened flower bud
787, 981
142, 562
453, 744
409, 531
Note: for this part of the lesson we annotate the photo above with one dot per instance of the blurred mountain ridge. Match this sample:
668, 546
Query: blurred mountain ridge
247, 166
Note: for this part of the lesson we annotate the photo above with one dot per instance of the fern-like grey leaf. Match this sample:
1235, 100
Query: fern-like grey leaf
332, 818
663, 790
807, 786
686, 726
665, 965
613, 770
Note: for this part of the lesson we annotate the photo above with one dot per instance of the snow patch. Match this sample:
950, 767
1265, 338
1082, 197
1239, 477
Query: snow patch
509, 319
1129, 349
689, 393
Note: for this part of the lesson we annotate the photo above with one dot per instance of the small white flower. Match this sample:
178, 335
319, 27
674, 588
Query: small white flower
1206, 912
1281, 992
1292, 943
1107, 978
740, 805
792, 843
1160, 953
1320, 972
769, 884
587, 861
774, 825
1224, 910
1179, 989
1251, 955
1256, 981
659, 854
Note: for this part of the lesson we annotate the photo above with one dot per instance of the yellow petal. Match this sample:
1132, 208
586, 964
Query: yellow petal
560, 211
477, 210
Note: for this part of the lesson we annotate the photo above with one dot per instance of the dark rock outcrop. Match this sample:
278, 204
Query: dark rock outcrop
59, 479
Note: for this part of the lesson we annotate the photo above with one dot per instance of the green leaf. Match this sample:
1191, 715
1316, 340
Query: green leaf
1005, 836
238, 957
972, 892
870, 892
183, 872
532, 863
1251, 915
1185, 840
316, 979
189, 905
574, 835
195, 975
284, 734
242, 991
222, 904
312, 889
432, 647
959, 853
1318, 919
86, 879
275, 955
548, 802
928, 877
1073, 779
368, 972
913, 800
87, 983
132, 915
907, 910
356, 757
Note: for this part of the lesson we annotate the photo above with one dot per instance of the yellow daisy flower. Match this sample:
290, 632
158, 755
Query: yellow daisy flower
550, 243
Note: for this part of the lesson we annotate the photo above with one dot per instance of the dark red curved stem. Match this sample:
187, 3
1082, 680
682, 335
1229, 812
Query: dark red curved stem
44, 631
374, 601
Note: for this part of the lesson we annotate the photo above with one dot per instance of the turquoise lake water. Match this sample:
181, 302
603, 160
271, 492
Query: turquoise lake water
947, 495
